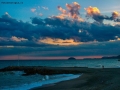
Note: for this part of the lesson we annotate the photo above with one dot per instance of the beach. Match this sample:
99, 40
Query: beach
91, 78
102, 79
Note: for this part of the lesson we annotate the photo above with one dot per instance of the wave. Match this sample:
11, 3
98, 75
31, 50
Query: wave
48, 79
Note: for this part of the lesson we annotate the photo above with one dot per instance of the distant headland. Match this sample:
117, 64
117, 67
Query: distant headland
112, 57
104, 57
71, 58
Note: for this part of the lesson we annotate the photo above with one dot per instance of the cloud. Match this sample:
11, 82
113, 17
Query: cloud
66, 29
38, 7
72, 11
92, 11
117, 20
56, 41
45, 8
4, 39
14, 41
90, 49
53, 28
64, 35
17, 39
33, 10
40, 14
115, 16
6, 13
38, 21
95, 13
62, 10
37, 11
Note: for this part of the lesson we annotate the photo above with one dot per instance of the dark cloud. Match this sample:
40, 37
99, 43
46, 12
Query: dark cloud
117, 20
89, 49
37, 21
54, 28
28, 44
102, 32
100, 18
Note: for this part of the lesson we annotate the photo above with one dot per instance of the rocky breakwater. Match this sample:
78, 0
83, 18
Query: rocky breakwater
30, 70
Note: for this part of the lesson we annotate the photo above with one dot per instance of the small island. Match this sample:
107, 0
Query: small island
71, 58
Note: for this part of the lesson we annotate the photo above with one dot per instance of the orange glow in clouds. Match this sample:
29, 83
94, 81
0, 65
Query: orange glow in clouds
65, 42
76, 5
115, 14
62, 16
62, 10
92, 11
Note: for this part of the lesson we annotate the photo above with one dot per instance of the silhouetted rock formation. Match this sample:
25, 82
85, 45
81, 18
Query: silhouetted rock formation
112, 57
71, 58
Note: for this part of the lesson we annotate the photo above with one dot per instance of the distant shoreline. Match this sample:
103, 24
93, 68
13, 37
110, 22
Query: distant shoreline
60, 59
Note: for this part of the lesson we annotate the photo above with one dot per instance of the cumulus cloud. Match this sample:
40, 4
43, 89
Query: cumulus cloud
62, 10
40, 14
115, 16
95, 13
45, 8
17, 39
6, 13
72, 11
92, 11
33, 10
37, 11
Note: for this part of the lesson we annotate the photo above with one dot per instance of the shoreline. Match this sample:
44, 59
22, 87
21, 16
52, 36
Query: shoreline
104, 80
53, 85
55, 81
91, 79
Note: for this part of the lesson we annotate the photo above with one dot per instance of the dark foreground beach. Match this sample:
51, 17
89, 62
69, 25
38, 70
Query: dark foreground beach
91, 79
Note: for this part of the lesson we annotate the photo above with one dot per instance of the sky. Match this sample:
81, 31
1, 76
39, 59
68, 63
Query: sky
58, 29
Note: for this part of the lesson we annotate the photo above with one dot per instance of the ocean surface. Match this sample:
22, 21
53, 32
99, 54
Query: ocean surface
13, 80
108, 63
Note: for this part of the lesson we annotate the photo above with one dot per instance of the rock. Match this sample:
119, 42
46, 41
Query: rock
71, 58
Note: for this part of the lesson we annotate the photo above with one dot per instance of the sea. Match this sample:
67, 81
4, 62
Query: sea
13, 80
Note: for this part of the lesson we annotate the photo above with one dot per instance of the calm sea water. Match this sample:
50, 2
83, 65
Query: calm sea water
114, 63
